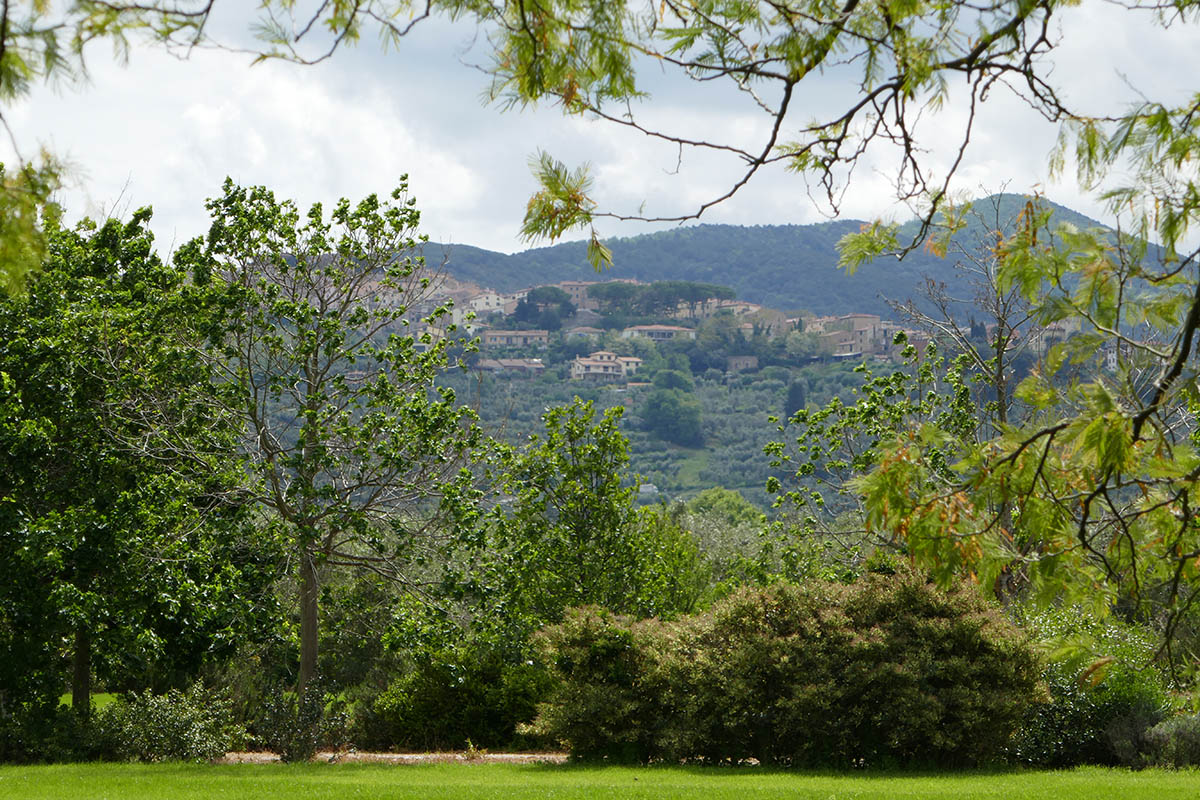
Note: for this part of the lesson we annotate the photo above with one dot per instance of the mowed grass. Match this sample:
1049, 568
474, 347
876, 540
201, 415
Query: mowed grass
454, 781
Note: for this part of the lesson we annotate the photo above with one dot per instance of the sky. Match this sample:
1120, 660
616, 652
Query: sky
165, 132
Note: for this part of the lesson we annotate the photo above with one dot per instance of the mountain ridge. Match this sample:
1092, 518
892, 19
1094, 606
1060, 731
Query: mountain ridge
787, 267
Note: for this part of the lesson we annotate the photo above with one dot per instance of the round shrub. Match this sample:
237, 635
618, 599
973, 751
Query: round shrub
889, 671
1174, 742
607, 703
295, 725
451, 698
177, 726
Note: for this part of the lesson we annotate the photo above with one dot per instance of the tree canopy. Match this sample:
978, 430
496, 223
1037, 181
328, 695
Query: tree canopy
135, 554
320, 350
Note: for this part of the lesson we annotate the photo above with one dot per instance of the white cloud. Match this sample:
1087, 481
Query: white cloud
166, 132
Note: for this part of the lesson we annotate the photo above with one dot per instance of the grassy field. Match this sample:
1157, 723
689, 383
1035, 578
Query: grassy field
454, 781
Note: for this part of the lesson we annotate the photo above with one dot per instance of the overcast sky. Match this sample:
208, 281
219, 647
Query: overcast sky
165, 132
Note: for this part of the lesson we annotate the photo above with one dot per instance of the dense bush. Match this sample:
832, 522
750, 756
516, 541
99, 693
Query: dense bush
888, 671
195, 725
609, 701
295, 725
1174, 742
46, 732
1097, 711
451, 697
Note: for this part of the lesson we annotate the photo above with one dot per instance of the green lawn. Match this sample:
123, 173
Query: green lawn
99, 700
385, 781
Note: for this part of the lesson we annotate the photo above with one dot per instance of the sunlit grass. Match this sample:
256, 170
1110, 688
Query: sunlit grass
99, 700
453, 781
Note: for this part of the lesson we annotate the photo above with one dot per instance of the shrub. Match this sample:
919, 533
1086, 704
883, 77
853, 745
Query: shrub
451, 697
605, 705
47, 732
177, 726
296, 725
888, 671
1174, 742
1098, 712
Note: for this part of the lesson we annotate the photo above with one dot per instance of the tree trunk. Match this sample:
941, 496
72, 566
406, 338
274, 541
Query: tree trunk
309, 591
81, 674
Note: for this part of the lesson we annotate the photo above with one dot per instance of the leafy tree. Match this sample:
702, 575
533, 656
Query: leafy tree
802, 346
121, 548
615, 297
545, 306
796, 397
23, 210
1098, 477
673, 416
725, 504
573, 535
353, 451
826, 450
673, 379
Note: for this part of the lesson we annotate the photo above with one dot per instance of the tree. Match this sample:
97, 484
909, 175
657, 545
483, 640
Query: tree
802, 345
544, 306
572, 535
673, 416
355, 452
906, 59
796, 397
45, 42
825, 451
135, 561
1098, 475
674, 379
1014, 334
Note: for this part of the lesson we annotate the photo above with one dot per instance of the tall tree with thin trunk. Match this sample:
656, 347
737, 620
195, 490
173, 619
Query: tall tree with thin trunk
329, 349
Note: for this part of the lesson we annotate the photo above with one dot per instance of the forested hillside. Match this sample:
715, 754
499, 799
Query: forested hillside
783, 266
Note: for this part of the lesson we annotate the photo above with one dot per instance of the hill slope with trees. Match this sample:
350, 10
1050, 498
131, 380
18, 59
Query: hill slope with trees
783, 266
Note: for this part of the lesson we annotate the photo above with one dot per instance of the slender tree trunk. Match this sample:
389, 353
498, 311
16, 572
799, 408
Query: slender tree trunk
309, 591
81, 674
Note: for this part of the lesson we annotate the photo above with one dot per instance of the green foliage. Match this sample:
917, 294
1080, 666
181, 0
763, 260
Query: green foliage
797, 394
123, 544
46, 732
471, 693
545, 306
195, 725
674, 379
295, 725
349, 443
1085, 496
662, 298
829, 453
725, 505
607, 703
885, 672
24, 208
1104, 694
673, 416
1174, 742
572, 535
562, 204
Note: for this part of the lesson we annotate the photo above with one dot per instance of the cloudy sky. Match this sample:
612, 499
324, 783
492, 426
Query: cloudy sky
165, 132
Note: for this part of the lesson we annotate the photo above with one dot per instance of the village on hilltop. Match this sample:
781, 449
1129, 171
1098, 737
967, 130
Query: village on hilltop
512, 346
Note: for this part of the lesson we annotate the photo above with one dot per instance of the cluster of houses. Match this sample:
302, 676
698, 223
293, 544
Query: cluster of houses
842, 337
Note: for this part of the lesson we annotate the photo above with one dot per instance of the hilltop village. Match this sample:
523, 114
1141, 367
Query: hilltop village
599, 331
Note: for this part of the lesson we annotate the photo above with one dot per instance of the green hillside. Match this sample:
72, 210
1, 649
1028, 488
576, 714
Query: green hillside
782, 266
